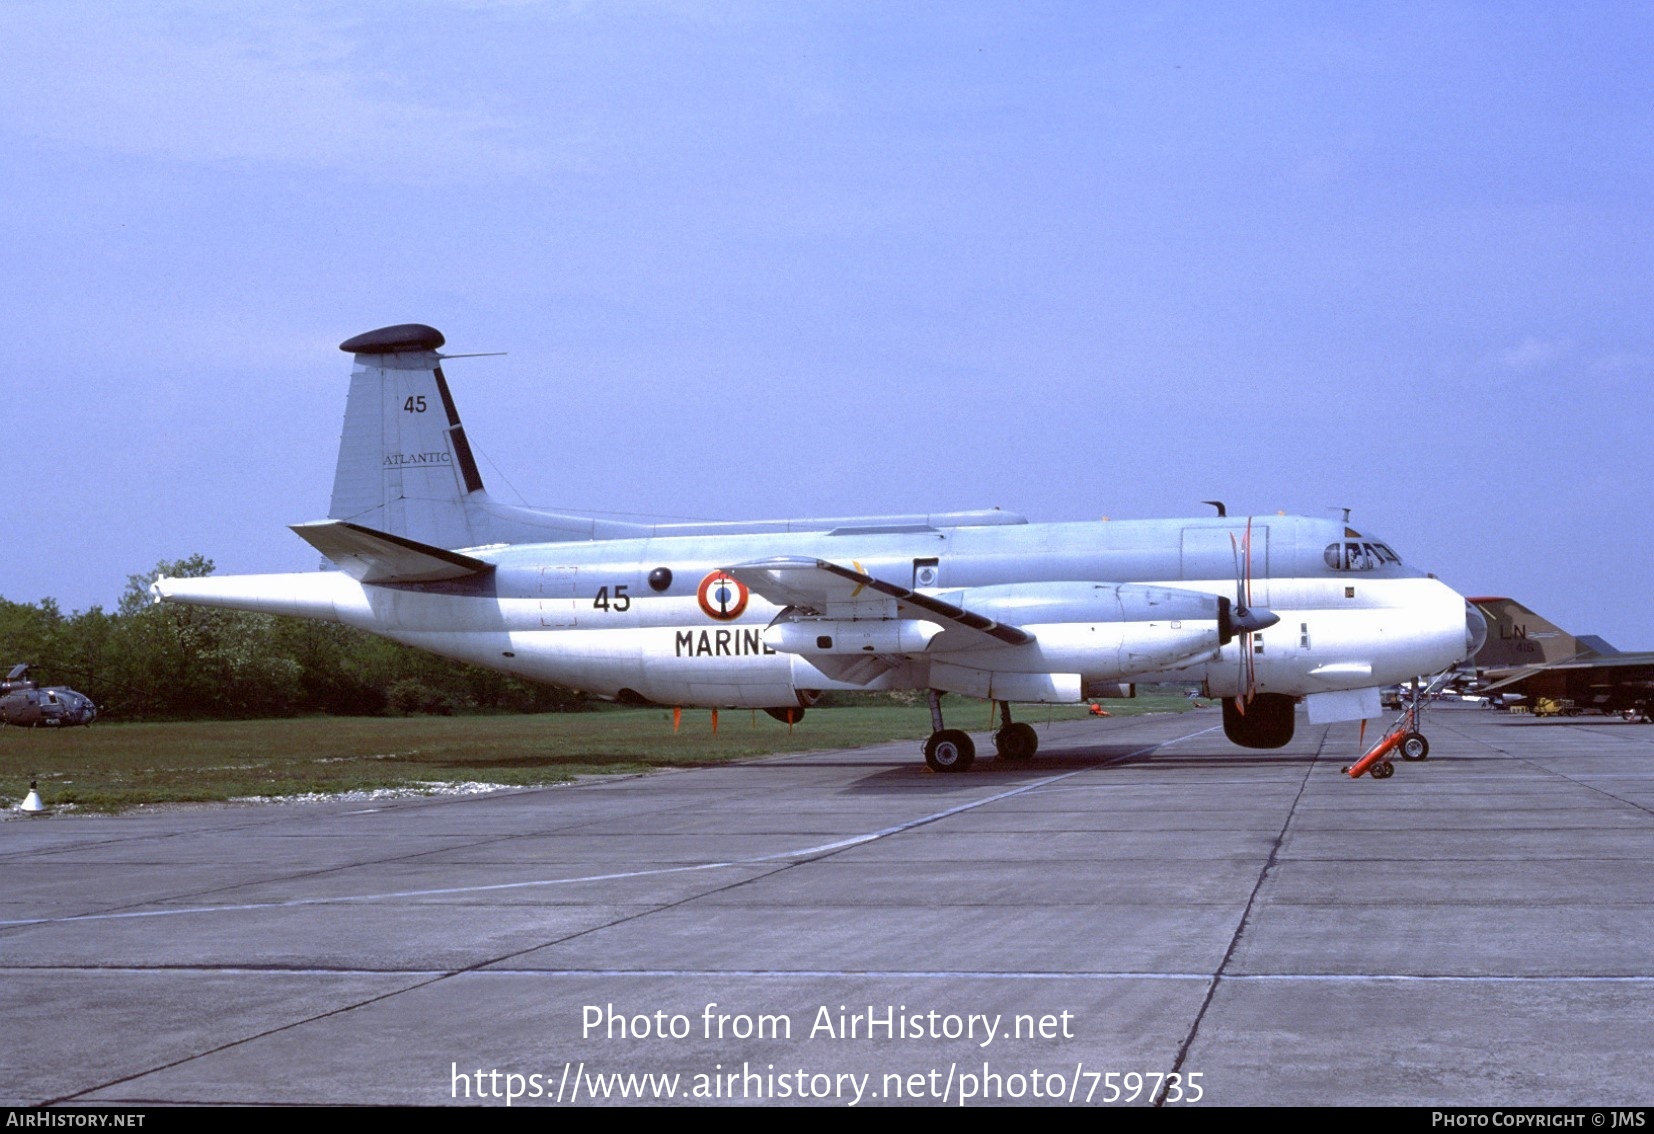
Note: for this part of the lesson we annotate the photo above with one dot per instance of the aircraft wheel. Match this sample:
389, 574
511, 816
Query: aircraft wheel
1414, 746
949, 751
1383, 770
1016, 741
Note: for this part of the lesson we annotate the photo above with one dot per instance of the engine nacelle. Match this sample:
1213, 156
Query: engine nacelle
1102, 632
851, 636
1023, 604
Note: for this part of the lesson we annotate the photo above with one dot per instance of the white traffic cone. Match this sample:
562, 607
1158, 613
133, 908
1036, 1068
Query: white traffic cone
31, 802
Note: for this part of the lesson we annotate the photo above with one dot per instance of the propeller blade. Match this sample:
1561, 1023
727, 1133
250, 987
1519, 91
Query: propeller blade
1243, 620
1239, 619
1234, 553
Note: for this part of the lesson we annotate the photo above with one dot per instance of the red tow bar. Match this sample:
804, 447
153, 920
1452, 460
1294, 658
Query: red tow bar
1365, 764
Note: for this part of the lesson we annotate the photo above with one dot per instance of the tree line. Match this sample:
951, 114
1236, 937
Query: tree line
149, 662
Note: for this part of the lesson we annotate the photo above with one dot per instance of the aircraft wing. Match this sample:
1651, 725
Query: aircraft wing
819, 586
1511, 679
1622, 666
370, 556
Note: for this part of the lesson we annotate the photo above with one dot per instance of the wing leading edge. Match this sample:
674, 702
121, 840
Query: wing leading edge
1636, 666
821, 587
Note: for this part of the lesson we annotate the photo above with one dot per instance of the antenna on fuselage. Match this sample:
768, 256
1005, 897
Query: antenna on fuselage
1218, 504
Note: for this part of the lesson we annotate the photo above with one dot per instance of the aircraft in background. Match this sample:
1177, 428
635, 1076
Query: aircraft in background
1527, 656
769, 614
24, 702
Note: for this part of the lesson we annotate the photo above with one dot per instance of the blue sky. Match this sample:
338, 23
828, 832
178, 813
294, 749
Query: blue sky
772, 259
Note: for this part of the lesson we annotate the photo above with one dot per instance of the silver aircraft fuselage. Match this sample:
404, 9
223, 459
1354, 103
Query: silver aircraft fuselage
1261, 612
585, 614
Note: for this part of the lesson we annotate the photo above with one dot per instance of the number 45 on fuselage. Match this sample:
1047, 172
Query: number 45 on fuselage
1261, 612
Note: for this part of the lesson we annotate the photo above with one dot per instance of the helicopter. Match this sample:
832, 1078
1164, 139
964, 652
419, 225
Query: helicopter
24, 702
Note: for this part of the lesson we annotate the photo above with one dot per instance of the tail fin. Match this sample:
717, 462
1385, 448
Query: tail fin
404, 464
406, 470
1517, 637
405, 467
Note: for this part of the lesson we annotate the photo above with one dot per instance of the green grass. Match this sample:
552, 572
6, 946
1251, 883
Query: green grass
109, 767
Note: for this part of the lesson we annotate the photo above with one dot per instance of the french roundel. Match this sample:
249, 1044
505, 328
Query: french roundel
722, 597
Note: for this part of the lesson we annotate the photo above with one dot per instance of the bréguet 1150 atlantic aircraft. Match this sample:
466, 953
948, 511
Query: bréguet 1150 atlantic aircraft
769, 614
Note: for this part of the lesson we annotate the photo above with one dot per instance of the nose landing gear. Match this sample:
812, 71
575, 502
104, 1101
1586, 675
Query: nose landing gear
1403, 737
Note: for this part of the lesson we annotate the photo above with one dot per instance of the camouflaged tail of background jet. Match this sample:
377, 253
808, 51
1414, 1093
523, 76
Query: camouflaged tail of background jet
1527, 656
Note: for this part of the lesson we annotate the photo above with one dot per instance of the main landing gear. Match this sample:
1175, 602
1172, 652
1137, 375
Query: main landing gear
948, 749
1014, 740
952, 750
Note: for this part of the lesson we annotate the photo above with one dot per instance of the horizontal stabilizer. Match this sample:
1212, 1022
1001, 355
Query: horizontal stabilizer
369, 556
815, 584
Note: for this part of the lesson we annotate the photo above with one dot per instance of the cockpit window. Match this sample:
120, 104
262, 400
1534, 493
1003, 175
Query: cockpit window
1362, 555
